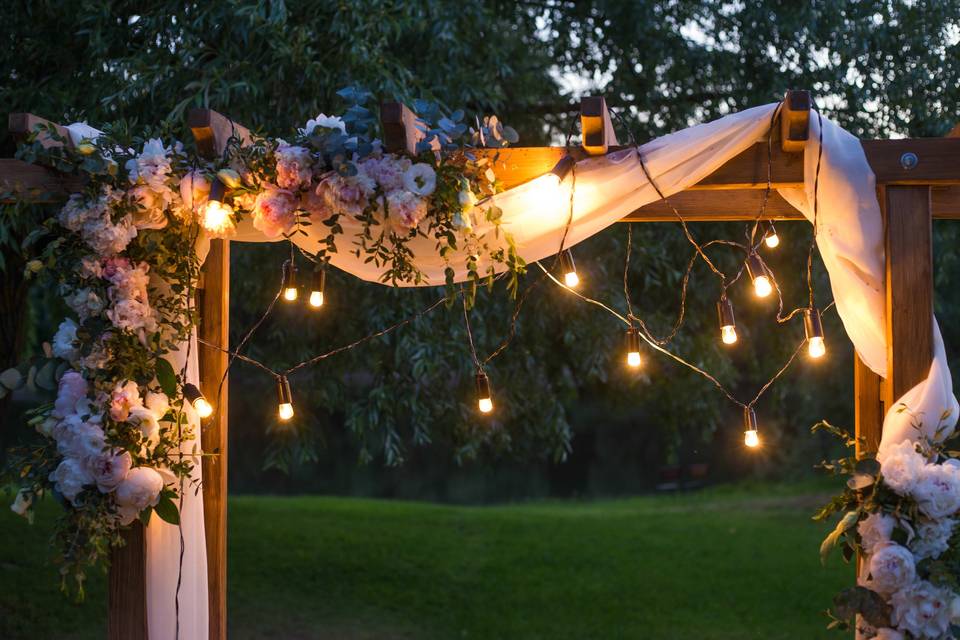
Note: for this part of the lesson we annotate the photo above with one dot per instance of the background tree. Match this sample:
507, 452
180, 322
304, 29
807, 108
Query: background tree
879, 67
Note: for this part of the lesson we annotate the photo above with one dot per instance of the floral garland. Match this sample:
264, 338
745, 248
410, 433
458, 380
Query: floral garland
121, 254
900, 515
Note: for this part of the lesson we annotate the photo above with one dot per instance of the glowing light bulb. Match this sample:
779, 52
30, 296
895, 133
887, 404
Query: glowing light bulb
728, 334
762, 286
284, 399
316, 292
751, 438
484, 399
571, 279
200, 404
813, 327
760, 276
816, 347
569, 268
316, 298
218, 218
772, 240
290, 291
633, 348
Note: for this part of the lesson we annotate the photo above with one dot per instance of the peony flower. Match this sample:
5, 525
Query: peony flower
275, 211
85, 303
405, 210
79, 435
344, 194
158, 403
386, 171
70, 391
932, 538
900, 467
922, 610
876, 529
90, 267
152, 205
99, 355
22, 503
891, 568
315, 205
70, 477
124, 398
108, 469
139, 490
65, 341
937, 490
293, 167
194, 190
324, 122
148, 423
107, 238
420, 179
76, 212
152, 166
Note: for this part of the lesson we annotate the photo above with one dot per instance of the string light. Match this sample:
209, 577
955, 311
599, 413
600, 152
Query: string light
562, 169
633, 348
217, 216
770, 238
203, 408
284, 399
728, 325
545, 192
569, 269
484, 399
751, 437
760, 275
290, 291
316, 292
813, 328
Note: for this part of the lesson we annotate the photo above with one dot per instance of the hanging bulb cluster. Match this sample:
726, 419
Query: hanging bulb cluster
633, 348
569, 269
290, 291
728, 325
316, 290
751, 436
760, 275
770, 237
284, 399
484, 399
200, 404
813, 328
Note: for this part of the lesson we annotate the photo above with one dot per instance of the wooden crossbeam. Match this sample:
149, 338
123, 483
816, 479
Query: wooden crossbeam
19, 125
596, 128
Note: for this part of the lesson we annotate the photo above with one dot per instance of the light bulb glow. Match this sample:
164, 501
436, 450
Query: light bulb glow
316, 298
285, 411
485, 405
816, 347
762, 286
217, 218
290, 294
571, 279
728, 334
633, 359
751, 438
772, 240
204, 409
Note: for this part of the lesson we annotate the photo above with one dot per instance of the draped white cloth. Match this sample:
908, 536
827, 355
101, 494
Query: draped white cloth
850, 239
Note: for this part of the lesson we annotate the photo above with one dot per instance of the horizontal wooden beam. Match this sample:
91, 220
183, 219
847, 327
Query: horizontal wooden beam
32, 182
19, 125
933, 161
212, 130
710, 206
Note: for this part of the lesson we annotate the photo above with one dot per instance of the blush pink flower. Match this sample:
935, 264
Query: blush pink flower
275, 211
123, 399
405, 210
293, 167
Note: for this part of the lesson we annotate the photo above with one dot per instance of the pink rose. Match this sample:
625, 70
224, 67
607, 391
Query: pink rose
274, 212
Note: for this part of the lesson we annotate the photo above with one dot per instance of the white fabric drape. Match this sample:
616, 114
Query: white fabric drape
850, 238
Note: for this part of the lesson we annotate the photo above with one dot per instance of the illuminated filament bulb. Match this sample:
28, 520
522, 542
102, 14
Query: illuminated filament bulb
203, 408
217, 216
633, 348
570, 277
751, 436
284, 399
316, 291
290, 292
771, 239
812, 326
484, 399
759, 275
728, 326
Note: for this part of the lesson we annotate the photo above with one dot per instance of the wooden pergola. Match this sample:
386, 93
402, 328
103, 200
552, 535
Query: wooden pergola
918, 180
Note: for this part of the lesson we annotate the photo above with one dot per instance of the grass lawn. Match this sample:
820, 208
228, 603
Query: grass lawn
720, 564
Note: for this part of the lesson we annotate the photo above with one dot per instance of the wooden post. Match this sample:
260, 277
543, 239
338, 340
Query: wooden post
596, 129
127, 601
795, 121
868, 405
212, 131
908, 224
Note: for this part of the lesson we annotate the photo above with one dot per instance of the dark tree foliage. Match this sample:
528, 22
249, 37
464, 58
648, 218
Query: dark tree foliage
879, 67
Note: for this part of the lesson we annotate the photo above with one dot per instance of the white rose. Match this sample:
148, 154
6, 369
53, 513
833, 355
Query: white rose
900, 467
891, 568
420, 179
21, 504
65, 341
937, 490
147, 421
325, 122
922, 610
874, 530
108, 469
932, 539
70, 477
139, 490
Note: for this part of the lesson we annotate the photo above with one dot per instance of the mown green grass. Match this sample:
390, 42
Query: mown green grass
721, 564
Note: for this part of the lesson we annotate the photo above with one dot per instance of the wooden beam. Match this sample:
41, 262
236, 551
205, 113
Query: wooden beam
909, 288
711, 206
25, 181
795, 121
214, 306
127, 600
868, 405
937, 160
596, 128
19, 125
212, 131
400, 131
